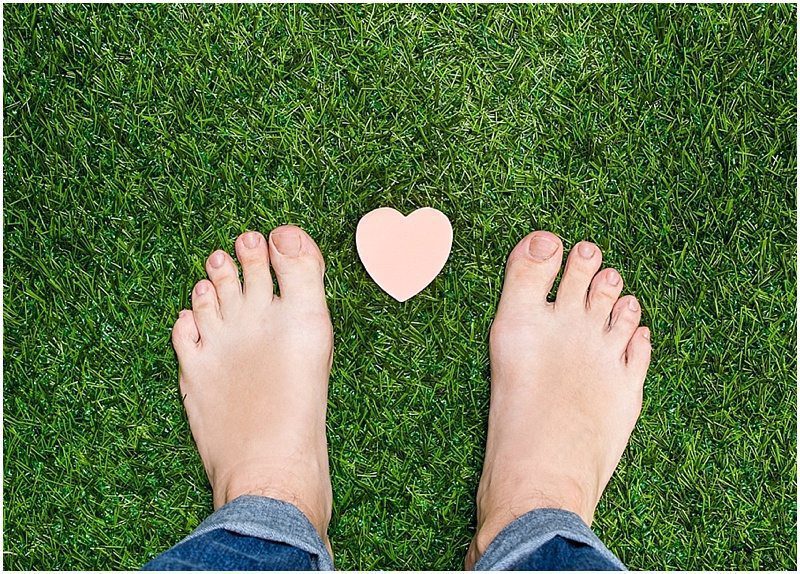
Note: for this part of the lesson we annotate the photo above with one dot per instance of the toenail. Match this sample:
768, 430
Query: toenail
613, 278
287, 242
182, 313
542, 248
586, 250
217, 259
633, 305
646, 334
201, 288
250, 240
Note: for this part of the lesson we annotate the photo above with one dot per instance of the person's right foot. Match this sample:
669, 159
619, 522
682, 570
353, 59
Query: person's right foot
567, 380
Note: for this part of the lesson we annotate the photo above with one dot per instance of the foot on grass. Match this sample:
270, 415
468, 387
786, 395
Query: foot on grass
567, 381
254, 372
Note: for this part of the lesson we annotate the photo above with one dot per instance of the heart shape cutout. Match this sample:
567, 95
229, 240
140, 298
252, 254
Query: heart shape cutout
403, 254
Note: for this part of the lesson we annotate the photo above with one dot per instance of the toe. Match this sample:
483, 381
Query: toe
531, 270
604, 292
205, 306
298, 265
253, 254
185, 335
637, 354
223, 274
583, 262
625, 318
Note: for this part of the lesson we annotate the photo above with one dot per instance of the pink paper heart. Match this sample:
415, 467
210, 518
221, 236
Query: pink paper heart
404, 254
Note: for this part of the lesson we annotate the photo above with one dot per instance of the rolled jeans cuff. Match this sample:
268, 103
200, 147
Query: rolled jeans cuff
272, 520
532, 530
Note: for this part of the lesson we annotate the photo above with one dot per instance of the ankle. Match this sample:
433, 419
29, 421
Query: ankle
310, 493
502, 502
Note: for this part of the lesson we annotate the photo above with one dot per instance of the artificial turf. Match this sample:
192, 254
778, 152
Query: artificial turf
140, 138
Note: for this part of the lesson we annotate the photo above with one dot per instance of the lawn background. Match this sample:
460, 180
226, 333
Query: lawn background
140, 138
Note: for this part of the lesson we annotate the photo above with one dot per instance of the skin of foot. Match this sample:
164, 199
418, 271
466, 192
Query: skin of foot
567, 382
254, 372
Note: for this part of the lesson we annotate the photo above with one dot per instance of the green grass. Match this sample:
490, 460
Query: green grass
140, 138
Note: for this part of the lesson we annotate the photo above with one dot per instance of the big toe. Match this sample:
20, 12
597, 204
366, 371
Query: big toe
531, 270
298, 264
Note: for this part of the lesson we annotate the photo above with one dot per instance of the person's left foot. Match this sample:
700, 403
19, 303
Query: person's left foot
254, 372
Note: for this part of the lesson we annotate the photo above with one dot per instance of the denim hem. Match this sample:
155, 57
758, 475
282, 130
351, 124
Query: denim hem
269, 519
531, 530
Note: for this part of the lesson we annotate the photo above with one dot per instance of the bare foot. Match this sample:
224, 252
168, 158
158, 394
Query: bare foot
567, 382
254, 372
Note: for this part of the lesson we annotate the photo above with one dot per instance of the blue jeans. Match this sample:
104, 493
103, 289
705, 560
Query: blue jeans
256, 533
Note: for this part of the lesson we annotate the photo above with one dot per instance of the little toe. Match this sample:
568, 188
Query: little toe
185, 335
625, 317
531, 270
224, 275
205, 307
603, 293
253, 254
583, 261
298, 264
637, 354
